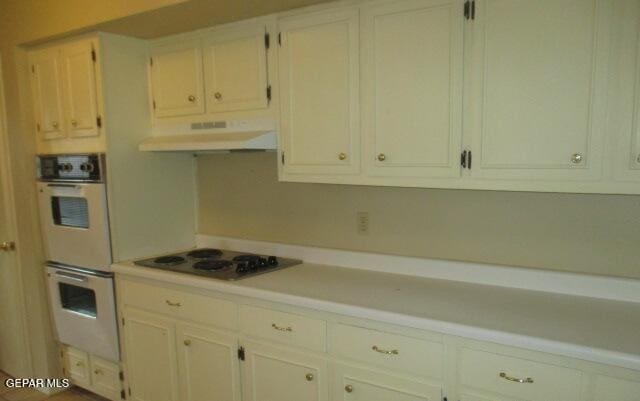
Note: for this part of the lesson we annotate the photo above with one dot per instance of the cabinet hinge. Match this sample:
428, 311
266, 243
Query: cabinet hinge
99, 121
122, 320
282, 158
38, 127
151, 61
465, 159
61, 354
470, 9
469, 160
154, 104
280, 38
129, 389
123, 395
241, 353
121, 376
33, 69
64, 371
268, 93
93, 55
267, 40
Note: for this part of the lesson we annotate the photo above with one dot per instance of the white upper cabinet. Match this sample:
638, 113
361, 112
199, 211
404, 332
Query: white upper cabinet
46, 86
319, 92
537, 89
412, 86
235, 65
80, 89
176, 78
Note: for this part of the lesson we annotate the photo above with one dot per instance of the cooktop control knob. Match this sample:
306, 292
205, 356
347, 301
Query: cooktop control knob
273, 261
253, 265
242, 268
262, 262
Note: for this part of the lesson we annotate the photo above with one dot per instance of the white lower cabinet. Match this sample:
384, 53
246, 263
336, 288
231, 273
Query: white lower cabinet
150, 356
91, 372
286, 353
355, 384
278, 374
207, 364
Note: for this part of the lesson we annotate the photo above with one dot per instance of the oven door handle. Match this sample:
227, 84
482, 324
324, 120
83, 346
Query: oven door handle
71, 276
64, 186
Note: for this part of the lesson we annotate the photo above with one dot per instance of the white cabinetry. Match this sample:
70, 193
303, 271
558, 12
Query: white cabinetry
537, 89
176, 78
319, 92
235, 64
353, 384
277, 374
91, 372
412, 86
65, 91
614, 389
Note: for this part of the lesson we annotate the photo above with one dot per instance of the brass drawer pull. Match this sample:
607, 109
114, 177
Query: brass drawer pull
172, 303
515, 379
384, 351
279, 328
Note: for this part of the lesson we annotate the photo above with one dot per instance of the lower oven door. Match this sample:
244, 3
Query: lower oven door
83, 307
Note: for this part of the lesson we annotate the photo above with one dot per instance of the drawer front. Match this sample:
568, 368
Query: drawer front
77, 364
182, 304
105, 379
387, 350
533, 381
282, 327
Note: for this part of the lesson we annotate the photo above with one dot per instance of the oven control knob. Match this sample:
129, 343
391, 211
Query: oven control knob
253, 265
273, 261
242, 268
262, 262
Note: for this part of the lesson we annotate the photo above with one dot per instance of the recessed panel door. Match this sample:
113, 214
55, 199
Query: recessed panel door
46, 84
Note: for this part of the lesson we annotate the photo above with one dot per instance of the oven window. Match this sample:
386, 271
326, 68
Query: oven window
78, 299
70, 211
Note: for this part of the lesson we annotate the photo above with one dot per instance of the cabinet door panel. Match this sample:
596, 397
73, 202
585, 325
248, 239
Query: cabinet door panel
176, 79
105, 378
273, 374
236, 70
208, 365
352, 384
612, 389
319, 74
538, 88
80, 89
150, 357
413, 87
47, 93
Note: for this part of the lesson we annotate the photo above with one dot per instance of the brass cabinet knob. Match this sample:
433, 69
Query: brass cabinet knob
79, 363
342, 156
382, 157
638, 158
309, 377
97, 372
576, 158
8, 246
192, 98
54, 124
187, 342
74, 122
217, 95
348, 388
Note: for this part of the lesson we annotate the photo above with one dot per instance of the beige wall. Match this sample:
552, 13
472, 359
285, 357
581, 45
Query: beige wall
600, 234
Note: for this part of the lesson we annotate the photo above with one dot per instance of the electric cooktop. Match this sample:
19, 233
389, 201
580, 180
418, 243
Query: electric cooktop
218, 263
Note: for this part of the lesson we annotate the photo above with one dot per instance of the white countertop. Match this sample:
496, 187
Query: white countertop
597, 330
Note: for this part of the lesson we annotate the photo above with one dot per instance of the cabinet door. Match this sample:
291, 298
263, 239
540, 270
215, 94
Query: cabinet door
235, 63
537, 88
612, 389
76, 364
150, 356
80, 95
352, 384
208, 365
412, 86
46, 84
274, 374
105, 378
176, 79
319, 88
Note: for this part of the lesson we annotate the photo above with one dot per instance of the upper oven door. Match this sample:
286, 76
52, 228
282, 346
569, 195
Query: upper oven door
75, 224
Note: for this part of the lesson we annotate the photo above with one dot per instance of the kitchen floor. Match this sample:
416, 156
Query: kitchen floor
27, 394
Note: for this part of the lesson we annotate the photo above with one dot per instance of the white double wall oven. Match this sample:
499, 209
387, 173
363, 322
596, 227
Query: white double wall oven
75, 225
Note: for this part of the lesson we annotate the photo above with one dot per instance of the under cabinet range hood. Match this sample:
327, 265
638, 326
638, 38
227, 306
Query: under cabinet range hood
212, 136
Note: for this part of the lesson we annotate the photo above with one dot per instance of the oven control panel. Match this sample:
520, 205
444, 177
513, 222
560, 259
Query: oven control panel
80, 167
